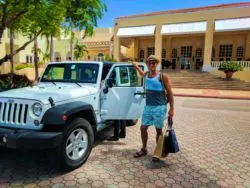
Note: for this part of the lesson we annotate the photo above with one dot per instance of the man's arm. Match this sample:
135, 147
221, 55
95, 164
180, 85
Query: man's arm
168, 87
141, 72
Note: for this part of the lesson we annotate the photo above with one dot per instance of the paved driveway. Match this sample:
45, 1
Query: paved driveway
214, 138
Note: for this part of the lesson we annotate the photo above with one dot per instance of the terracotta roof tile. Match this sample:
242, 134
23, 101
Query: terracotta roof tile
232, 5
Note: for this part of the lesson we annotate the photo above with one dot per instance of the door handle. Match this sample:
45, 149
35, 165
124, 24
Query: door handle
139, 93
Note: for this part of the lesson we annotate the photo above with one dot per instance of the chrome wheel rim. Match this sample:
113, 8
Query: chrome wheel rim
77, 144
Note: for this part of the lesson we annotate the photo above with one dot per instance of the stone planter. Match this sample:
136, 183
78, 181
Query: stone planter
229, 75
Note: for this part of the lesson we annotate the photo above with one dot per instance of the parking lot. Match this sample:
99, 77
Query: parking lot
213, 135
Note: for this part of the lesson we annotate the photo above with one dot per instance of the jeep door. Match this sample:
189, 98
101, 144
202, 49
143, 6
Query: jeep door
122, 95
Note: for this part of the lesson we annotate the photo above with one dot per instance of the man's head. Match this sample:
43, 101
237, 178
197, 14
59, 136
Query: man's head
152, 63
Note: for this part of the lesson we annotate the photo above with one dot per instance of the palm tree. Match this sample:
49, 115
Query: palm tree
79, 50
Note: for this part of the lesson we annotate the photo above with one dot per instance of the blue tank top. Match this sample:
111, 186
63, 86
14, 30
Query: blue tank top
155, 91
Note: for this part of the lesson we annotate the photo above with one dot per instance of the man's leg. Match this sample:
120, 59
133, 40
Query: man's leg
144, 137
122, 133
117, 125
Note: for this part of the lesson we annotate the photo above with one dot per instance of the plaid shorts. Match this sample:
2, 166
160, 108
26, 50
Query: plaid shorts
154, 115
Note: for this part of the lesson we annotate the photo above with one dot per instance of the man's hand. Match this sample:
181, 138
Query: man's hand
171, 112
134, 63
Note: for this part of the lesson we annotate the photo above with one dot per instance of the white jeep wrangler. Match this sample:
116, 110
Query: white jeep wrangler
72, 102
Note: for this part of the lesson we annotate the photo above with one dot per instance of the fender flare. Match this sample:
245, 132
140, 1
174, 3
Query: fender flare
53, 116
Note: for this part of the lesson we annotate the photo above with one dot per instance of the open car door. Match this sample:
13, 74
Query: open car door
122, 95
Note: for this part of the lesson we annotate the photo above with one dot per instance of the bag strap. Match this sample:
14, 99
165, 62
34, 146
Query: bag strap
163, 85
170, 123
144, 80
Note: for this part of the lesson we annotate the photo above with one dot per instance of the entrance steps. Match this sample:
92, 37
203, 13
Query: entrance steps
204, 80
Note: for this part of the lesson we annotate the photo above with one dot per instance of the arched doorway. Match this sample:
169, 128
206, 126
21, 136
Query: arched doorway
57, 57
68, 57
100, 57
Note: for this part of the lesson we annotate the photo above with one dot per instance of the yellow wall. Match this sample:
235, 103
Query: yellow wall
63, 47
92, 53
242, 75
235, 38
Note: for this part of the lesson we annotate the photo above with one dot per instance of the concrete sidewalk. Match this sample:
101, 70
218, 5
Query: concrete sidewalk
212, 93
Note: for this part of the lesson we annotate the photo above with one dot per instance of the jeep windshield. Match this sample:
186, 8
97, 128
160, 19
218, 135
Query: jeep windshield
71, 72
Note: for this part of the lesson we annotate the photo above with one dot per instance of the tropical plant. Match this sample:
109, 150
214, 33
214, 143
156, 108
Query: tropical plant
109, 58
230, 66
79, 50
11, 81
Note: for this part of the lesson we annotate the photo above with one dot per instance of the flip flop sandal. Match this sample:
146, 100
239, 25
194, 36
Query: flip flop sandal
140, 153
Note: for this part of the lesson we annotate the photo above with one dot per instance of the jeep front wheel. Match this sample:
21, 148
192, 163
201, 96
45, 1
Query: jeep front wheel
77, 143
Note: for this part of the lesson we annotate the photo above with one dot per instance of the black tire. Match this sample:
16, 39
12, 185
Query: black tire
78, 125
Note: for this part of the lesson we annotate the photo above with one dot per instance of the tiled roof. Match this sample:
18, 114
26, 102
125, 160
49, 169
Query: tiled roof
232, 5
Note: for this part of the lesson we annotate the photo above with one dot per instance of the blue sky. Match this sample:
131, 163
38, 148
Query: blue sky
117, 8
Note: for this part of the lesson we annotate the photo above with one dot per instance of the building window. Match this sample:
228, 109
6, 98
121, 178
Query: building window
186, 51
141, 55
213, 53
240, 51
31, 60
226, 51
174, 53
151, 51
198, 52
163, 54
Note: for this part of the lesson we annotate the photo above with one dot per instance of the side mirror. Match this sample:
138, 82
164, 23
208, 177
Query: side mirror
109, 83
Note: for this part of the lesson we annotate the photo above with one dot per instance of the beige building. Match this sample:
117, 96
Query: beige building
98, 47
194, 39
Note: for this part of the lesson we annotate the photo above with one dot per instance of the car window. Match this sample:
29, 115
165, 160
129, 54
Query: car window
125, 76
78, 72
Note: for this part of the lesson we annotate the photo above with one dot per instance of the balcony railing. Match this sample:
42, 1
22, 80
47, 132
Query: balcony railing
216, 64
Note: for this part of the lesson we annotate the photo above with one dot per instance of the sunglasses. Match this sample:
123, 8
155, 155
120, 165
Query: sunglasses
151, 62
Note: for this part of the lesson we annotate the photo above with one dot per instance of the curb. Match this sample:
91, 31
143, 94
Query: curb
216, 97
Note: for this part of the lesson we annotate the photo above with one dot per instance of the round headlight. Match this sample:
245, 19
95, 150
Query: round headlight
37, 109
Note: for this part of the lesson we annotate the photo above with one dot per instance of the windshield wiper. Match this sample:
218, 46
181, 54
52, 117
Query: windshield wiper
53, 82
77, 83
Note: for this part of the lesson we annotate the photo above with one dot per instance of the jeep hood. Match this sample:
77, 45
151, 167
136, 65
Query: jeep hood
42, 93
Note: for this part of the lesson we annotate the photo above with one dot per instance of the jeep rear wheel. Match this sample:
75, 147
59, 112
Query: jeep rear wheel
77, 143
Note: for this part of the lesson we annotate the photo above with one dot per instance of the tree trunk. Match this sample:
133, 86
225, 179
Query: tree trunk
36, 59
12, 51
51, 49
71, 46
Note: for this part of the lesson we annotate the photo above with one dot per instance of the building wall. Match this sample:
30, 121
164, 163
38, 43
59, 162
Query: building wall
92, 53
208, 37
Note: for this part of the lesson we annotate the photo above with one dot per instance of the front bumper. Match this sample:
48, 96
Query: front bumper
29, 139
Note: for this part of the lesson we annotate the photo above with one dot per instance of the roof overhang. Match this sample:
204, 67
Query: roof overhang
184, 28
148, 30
232, 24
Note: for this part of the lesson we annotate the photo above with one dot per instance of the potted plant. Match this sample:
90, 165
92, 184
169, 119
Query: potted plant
230, 67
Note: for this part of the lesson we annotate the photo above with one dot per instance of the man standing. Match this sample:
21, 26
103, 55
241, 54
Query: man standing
156, 105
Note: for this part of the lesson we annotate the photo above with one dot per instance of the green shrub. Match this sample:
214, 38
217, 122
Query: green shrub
23, 66
109, 58
12, 81
230, 66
